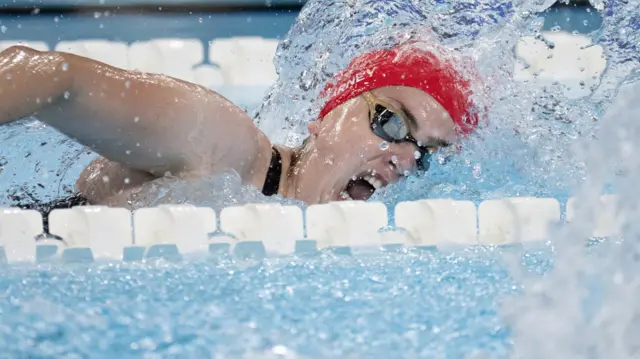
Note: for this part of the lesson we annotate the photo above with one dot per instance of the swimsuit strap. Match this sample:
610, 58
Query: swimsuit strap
272, 181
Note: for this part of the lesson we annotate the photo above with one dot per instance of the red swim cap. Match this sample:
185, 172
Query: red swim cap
405, 65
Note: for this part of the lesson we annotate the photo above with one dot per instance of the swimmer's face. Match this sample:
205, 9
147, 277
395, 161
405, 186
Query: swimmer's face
346, 160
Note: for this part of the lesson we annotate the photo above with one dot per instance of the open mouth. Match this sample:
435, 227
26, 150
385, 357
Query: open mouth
362, 187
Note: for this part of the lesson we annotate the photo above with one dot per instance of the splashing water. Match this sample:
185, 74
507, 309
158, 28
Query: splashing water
586, 307
538, 142
525, 149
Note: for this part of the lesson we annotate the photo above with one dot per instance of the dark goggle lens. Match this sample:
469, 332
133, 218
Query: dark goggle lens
390, 124
391, 127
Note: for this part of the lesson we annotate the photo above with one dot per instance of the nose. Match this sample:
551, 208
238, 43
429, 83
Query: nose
403, 157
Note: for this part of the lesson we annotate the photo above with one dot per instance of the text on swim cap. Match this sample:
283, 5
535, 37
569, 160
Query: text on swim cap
357, 78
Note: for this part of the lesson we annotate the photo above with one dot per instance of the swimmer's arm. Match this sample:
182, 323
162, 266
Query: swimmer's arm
144, 121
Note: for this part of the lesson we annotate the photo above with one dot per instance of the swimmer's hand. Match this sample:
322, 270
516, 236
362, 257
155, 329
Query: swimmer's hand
144, 121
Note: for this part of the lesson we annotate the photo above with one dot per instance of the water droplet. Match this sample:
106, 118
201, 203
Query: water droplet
9, 76
127, 180
394, 159
96, 15
384, 145
127, 152
585, 22
56, 19
556, 28
35, 11
477, 171
127, 84
38, 100
101, 26
136, 119
67, 95
138, 144
200, 20
105, 179
3, 29
417, 155
158, 154
65, 66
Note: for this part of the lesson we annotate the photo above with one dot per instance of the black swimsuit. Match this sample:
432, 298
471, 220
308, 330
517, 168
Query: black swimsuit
272, 181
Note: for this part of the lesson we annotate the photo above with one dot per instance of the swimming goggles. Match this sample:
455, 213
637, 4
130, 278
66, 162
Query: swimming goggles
392, 125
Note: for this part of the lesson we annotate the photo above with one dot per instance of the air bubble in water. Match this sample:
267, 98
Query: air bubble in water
67, 95
3, 29
136, 119
417, 155
394, 159
384, 145
127, 84
65, 66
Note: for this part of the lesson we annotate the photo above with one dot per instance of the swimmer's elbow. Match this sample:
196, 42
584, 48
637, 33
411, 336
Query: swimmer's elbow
28, 77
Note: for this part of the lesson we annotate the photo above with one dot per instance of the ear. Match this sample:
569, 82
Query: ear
314, 128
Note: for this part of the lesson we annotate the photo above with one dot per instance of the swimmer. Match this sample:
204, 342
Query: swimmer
382, 118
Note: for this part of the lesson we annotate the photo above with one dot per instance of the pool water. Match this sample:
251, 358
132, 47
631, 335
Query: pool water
420, 303
457, 302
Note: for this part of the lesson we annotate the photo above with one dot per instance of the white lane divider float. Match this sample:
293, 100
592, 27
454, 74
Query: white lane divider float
185, 226
259, 230
438, 221
277, 227
104, 230
513, 220
18, 229
347, 224
607, 219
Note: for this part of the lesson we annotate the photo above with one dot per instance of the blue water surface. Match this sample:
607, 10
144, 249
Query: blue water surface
420, 303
